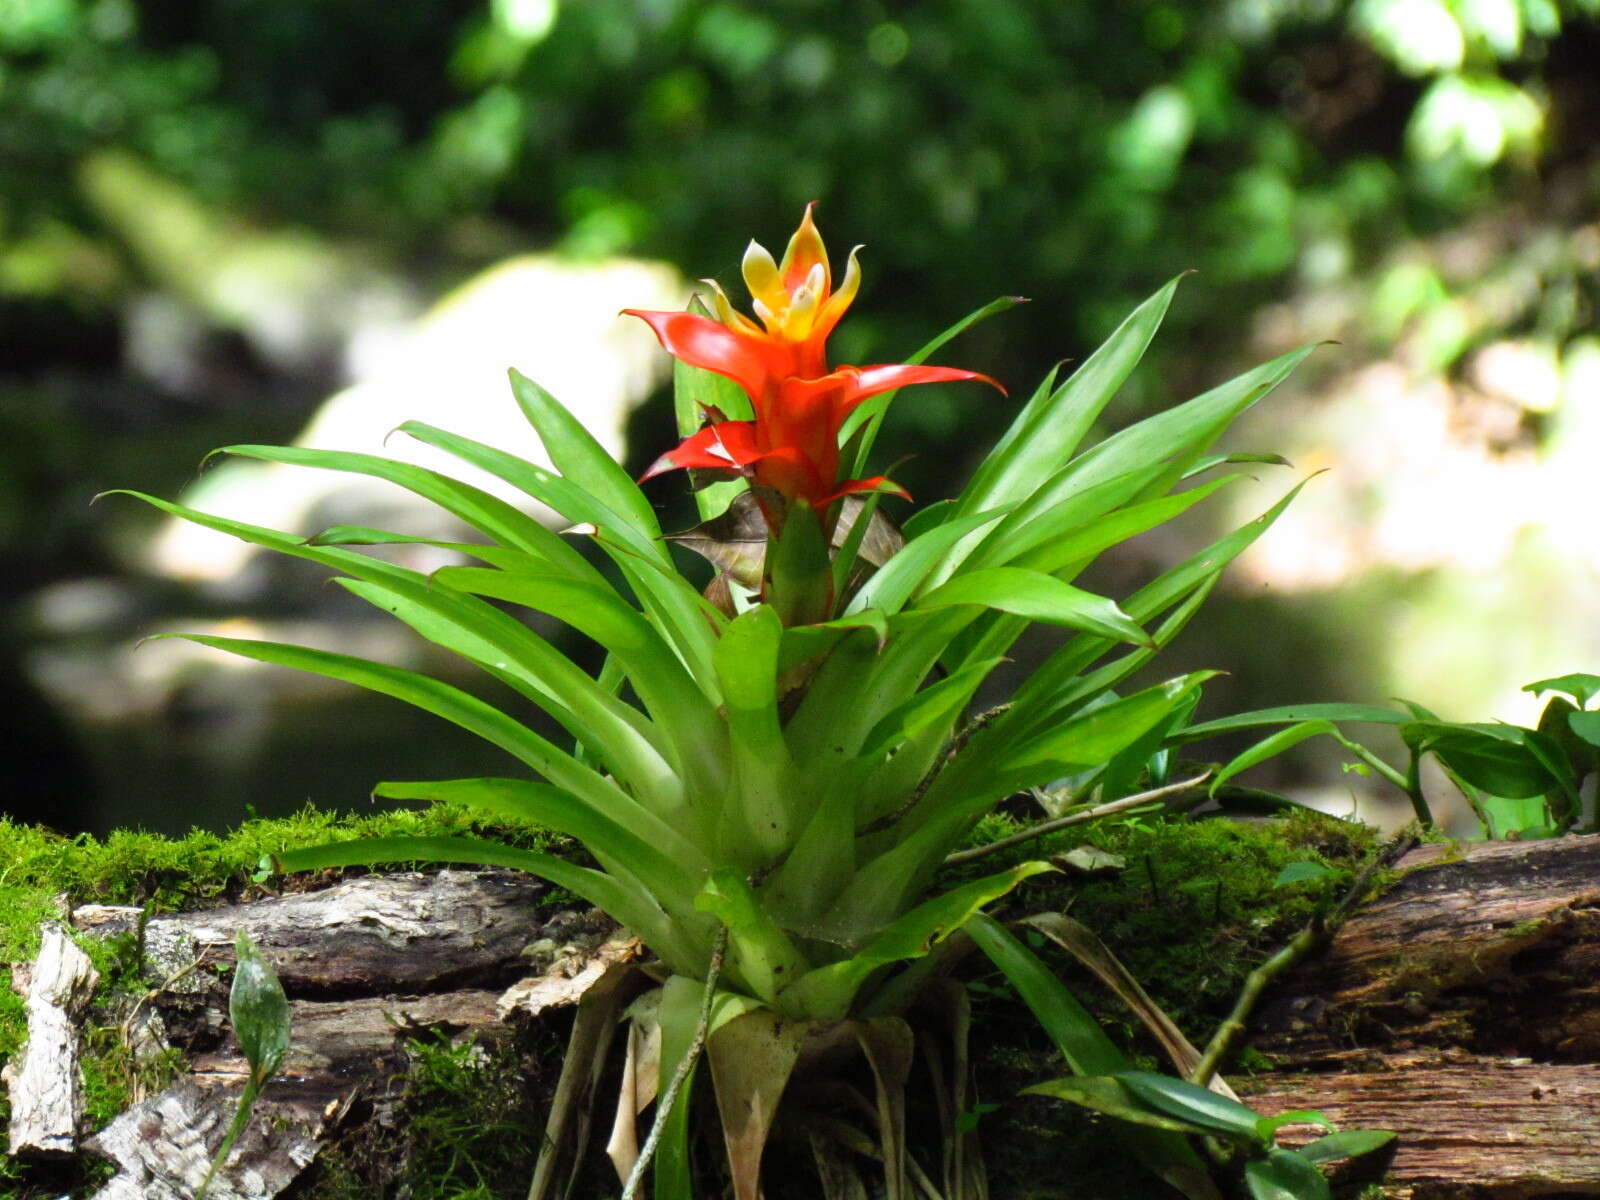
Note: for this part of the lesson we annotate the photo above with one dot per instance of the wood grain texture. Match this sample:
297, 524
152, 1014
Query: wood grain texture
1461, 1009
46, 1089
365, 962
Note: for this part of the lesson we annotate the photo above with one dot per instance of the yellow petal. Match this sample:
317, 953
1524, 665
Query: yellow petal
841, 300
726, 313
762, 278
803, 304
805, 251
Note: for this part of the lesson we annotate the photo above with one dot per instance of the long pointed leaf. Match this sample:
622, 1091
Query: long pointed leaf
580, 458
668, 863
1047, 431
430, 695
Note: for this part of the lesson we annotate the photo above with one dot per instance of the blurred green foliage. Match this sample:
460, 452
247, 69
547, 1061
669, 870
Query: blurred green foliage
1077, 150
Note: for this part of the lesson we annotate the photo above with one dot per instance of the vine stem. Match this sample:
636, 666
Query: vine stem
247, 1101
1076, 818
1318, 931
681, 1075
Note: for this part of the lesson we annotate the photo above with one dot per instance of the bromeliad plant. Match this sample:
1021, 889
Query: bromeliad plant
780, 764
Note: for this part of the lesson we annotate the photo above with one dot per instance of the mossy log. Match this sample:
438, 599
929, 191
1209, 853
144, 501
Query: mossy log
365, 962
1461, 1008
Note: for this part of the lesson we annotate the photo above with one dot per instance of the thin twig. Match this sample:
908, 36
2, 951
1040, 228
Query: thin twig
957, 743
1076, 818
1319, 930
685, 1065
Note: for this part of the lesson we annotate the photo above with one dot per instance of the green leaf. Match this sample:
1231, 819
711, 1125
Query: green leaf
1044, 549
799, 572
1039, 702
1347, 1143
897, 580
1268, 747
488, 514
1586, 725
828, 991
1183, 433
1293, 713
1105, 1095
482, 633
1191, 1102
1582, 688
933, 708
675, 700
258, 1010
1203, 465
1090, 739
681, 949
1077, 1035
1044, 435
644, 561
802, 643
1038, 597
1082, 1043
1496, 758
580, 458
1285, 1175
430, 695
761, 954
757, 823
1302, 872
625, 740
670, 865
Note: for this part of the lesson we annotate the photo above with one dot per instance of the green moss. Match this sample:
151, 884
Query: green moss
158, 874
464, 1128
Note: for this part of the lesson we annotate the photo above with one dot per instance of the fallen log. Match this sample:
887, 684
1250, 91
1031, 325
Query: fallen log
366, 963
1461, 1008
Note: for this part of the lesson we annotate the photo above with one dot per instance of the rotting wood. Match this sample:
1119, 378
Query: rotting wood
45, 1085
365, 962
1462, 1010
1494, 950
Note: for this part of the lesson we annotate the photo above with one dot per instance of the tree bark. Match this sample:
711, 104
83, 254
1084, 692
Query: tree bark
1461, 1009
364, 963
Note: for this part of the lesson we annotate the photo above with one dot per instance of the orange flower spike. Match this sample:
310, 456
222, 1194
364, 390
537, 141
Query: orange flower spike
794, 299
781, 364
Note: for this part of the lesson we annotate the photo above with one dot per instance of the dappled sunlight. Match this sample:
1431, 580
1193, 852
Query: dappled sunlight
554, 320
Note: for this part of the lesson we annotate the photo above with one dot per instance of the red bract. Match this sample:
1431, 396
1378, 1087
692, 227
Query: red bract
792, 446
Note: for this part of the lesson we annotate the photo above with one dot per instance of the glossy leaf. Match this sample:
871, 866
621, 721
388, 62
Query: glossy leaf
580, 458
1049, 428
1038, 597
1347, 1143
1496, 758
1104, 1094
828, 991
1582, 688
659, 855
1285, 1175
1190, 1102
898, 579
1293, 713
